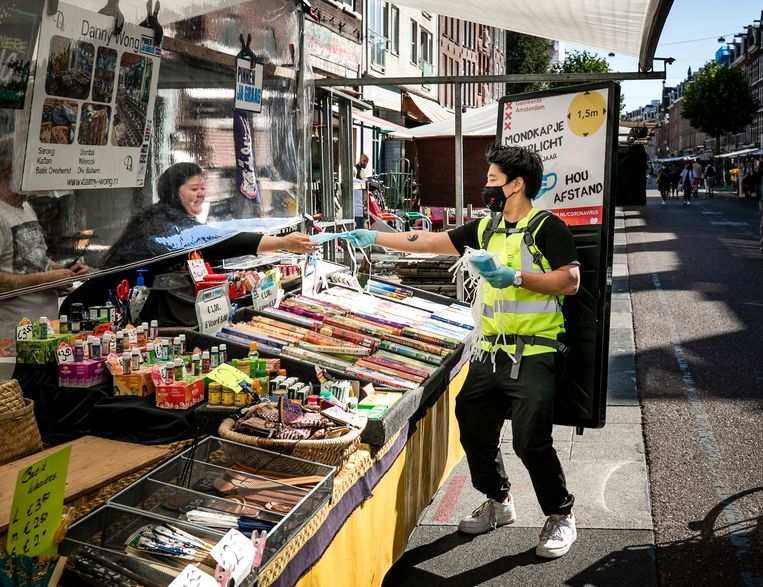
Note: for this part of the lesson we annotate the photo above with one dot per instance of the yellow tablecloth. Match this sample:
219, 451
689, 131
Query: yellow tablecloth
375, 534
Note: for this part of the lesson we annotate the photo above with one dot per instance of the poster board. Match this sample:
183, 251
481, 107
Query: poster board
569, 129
574, 129
92, 107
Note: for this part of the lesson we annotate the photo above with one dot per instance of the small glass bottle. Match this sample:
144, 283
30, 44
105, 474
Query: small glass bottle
153, 330
79, 351
135, 359
63, 324
182, 343
196, 365
95, 349
223, 353
177, 347
177, 369
214, 357
44, 325
126, 363
150, 353
205, 361
141, 340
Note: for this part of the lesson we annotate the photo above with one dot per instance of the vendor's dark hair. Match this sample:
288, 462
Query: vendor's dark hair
518, 162
170, 181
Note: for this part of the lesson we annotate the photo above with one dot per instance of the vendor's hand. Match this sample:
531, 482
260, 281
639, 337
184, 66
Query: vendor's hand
296, 242
79, 268
499, 278
361, 238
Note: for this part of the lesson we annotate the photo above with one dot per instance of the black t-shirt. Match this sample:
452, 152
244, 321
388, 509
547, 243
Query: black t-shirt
553, 239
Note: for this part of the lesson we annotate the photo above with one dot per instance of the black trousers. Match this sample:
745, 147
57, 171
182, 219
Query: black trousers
481, 409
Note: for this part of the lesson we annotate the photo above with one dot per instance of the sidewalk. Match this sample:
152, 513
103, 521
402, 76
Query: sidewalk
605, 470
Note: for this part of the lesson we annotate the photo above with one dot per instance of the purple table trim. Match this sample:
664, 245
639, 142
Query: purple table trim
314, 548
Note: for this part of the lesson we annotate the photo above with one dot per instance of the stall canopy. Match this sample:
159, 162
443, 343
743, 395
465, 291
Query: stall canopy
628, 27
424, 109
364, 118
748, 151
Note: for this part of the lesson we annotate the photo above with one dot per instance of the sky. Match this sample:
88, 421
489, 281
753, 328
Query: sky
690, 35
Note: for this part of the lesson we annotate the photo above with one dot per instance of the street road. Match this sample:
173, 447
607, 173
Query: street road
696, 277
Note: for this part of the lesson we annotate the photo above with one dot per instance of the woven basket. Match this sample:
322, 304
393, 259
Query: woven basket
329, 451
11, 397
20, 436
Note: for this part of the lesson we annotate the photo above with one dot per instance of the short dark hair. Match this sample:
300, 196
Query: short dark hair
518, 162
170, 181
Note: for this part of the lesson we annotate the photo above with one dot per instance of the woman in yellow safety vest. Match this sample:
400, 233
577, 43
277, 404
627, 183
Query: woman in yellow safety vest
521, 346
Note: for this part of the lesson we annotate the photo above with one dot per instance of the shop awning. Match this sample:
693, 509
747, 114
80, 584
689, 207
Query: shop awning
477, 122
424, 109
376, 122
748, 151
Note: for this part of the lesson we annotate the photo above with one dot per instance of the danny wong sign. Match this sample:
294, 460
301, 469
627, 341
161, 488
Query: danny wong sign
570, 129
92, 105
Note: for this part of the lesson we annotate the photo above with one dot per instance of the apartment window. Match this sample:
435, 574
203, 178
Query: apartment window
377, 33
426, 46
348, 3
394, 29
414, 42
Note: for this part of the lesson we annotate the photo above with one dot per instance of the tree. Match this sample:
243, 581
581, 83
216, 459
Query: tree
719, 100
584, 62
525, 54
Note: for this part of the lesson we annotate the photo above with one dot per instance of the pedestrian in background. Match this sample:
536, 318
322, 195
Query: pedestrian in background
663, 184
710, 179
675, 179
696, 168
687, 183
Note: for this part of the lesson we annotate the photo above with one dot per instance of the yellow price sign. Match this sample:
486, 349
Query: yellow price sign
37, 506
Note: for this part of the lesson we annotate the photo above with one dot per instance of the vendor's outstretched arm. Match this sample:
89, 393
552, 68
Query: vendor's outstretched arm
417, 241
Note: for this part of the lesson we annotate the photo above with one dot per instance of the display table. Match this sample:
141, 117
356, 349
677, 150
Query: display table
377, 499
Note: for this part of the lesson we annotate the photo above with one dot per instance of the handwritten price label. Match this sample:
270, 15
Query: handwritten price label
193, 577
235, 553
212, 309
64, 354
197, 269
37, 506
24, 332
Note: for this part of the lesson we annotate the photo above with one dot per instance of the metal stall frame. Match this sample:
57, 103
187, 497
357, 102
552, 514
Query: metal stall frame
458, 81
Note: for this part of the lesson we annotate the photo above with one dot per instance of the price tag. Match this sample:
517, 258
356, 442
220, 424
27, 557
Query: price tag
265, 293
198, 269
37, 506
310, 283
132, 335
193, 577
64, 354
213, 309
235, 553
24, 332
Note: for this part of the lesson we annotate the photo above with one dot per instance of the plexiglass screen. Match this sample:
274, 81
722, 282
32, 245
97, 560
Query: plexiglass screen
101, 109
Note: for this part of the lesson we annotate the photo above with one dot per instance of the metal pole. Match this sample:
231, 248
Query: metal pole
513, 78
459, 153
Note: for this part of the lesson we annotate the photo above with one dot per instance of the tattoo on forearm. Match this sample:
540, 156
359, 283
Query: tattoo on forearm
413, 237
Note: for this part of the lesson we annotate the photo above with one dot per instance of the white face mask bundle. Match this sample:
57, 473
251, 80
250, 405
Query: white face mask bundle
470, 264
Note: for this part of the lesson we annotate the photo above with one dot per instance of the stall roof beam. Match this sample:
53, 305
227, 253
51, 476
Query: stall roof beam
515, 78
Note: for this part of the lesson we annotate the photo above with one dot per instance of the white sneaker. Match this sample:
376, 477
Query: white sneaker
489, 516
557, 536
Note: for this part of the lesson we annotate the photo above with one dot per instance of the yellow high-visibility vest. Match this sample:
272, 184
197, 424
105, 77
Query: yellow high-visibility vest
515, 310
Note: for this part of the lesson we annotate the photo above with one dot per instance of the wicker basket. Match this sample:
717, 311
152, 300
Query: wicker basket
11, 397
20, 436
330, 451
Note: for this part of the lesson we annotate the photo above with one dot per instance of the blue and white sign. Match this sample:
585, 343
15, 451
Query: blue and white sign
248, 85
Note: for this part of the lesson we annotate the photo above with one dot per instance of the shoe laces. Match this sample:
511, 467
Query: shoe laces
552, 529
488, 507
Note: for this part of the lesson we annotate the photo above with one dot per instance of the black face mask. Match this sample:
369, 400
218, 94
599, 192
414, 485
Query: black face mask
494, 198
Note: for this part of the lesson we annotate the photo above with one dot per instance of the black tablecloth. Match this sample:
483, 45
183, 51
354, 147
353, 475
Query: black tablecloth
64, 414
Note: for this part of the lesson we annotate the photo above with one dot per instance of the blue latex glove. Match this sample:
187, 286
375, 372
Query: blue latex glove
499, 278
361, 238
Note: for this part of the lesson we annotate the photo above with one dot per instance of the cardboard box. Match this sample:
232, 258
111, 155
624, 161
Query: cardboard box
38, 351
139, 384
179, 396
83, 374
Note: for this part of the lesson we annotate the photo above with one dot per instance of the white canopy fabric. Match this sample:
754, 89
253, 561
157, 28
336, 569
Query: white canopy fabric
629, 27
474, 123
